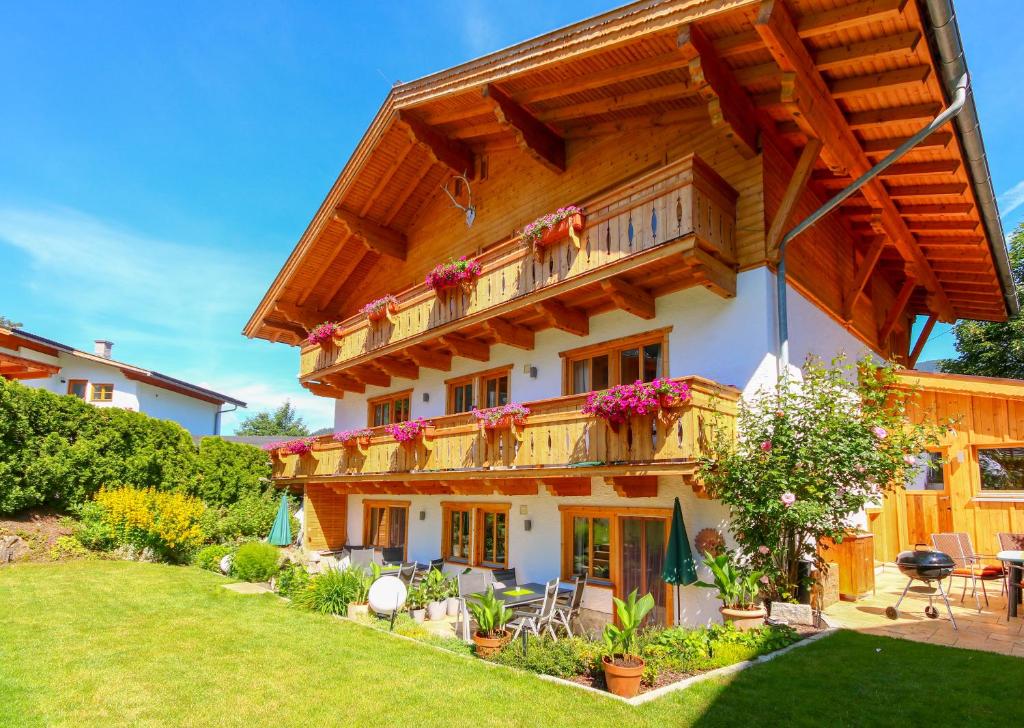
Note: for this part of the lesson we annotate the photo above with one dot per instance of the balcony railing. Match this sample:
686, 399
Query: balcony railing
557, 438
681, 216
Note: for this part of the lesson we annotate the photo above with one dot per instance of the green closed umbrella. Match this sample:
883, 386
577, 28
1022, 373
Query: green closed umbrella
281, 533
679, 569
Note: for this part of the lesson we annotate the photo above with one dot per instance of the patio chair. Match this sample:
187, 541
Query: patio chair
1011, 542
392, 554
968, 565
470, 583
362, 558
407, 573
568, 608
538, 621
506, 577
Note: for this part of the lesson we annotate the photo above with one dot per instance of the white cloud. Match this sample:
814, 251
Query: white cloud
1011, 199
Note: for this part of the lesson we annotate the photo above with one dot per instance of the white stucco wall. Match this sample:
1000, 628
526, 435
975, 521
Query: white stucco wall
195, 415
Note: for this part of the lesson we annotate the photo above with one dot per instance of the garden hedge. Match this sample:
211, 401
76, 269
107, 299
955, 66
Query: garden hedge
56, 450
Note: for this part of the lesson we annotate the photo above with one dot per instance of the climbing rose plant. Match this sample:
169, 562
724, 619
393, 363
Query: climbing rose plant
806, 457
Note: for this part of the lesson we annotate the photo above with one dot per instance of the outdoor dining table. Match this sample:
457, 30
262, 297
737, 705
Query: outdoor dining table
519, 595
1015, 562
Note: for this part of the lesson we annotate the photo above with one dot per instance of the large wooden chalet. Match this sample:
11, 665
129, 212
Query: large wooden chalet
694, 134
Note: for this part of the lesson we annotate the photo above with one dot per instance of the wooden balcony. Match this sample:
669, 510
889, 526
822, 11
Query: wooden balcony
558, 447
669, 229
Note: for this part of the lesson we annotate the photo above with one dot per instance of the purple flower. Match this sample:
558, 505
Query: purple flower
880, 432
788, 499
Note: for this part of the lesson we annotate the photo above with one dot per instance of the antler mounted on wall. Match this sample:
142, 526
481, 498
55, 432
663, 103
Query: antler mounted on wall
469, 208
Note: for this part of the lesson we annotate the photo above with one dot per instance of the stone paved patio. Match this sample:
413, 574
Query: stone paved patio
988, 630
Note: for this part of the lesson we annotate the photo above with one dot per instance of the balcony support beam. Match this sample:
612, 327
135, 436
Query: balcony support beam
346, 383
631, 299
563, 487
378, 238
370, 376
532, 136
396, 367
440, 360
637, 486
899, 305
467, 348
453, 154
510, 334
564, 318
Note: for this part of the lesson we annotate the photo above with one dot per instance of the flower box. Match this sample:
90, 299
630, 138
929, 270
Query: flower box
625, 401
501, 418
301, 446
379, 309
322, 334
353, 438
459, 273
546, 230
409, 431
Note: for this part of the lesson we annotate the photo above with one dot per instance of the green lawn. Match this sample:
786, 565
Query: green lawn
110, 643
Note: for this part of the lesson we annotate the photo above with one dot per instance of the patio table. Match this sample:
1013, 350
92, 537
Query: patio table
1015, 562
519, 595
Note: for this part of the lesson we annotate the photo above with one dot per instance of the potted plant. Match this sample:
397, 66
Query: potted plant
322, 334
491, 616
301, 446
359, 605
623, 668
352, 438
546, 230
436, 586
453, 597
738, 589
670, 393
417, 601
623, 401
380, 308
409, 431
502, 418
455, 273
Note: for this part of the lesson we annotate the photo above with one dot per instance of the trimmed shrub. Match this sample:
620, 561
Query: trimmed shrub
230, 472
255, 561
209, 557
166, 523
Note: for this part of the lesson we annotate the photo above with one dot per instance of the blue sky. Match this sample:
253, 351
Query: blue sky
159, 161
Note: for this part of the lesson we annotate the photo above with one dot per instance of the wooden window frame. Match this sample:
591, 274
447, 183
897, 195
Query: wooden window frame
569, 534
370, 504
85, 390
943, 453
992, 495
614, 348
477, 379
92, 392
476, 540
389, 398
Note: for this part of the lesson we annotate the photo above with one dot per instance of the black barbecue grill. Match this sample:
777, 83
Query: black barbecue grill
923, 564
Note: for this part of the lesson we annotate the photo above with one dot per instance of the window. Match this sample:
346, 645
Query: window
622, 361
389, 408
927, 474
457, 527
591, 547
103, 393
483, 389
386, 524
1002, 468
77, 387
492, 535
475, 533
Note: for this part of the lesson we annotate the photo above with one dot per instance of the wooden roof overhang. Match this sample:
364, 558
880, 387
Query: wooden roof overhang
19, 367
835, 84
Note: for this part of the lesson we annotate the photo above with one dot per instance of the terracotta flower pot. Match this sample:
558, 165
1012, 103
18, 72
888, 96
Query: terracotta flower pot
560, 231
363, 441
744, 619
669, 401
488, 647
623, 680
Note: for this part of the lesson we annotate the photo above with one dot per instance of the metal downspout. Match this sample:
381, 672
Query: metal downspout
780, 276
216, 418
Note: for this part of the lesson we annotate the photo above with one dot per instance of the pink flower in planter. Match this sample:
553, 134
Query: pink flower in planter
766, 446
880, 432
910, 460
788, 499
321, 333
763, 550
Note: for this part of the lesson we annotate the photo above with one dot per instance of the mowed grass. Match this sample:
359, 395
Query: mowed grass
112, 643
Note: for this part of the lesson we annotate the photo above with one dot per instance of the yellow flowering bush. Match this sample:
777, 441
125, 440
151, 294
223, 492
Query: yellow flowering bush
168, 523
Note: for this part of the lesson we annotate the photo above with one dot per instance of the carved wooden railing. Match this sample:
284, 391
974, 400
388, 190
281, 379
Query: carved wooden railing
556, 434
683, 201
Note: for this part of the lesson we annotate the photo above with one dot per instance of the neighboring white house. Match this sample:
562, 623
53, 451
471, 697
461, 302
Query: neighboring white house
104, 382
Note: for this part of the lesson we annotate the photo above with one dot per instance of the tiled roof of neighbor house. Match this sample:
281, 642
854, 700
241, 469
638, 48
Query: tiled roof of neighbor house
19, 337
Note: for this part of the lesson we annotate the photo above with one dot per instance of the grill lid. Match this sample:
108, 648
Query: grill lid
925, 558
